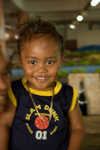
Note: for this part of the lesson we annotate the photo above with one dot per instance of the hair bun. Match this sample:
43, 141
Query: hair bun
21, 17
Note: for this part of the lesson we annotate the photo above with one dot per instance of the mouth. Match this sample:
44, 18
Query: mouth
41, 79
2, 99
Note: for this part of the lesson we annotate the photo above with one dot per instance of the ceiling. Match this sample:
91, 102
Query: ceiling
57, 10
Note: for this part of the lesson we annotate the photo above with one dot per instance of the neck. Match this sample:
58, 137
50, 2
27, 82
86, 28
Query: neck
50, 88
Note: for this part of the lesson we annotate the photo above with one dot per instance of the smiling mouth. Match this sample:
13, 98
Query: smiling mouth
2, 99
41, 79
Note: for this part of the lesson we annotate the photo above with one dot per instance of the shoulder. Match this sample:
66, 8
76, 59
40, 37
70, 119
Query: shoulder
16, 83
13, 89
71, 95
68, 89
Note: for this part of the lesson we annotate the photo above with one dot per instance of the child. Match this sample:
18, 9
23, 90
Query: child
4, 82
44, 112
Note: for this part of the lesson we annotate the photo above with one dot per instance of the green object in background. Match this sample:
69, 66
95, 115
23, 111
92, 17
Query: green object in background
62, 74
70, 63
78, 71
81, 58
84, 62
97, 70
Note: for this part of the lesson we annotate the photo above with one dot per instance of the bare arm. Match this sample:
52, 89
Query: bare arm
77, 129
6, 120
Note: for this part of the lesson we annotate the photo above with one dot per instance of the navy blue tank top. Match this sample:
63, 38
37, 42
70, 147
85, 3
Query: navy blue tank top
29, 132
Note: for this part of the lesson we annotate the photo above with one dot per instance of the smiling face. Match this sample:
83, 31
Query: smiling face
4, 82
41, 61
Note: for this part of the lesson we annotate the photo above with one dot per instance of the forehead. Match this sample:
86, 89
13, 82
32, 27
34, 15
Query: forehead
42, 43
40, 50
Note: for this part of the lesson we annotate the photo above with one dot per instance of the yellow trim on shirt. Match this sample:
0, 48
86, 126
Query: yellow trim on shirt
12, 97
74, 99
42, 93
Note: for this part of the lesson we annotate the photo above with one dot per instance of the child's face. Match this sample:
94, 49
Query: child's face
4, 82
41, 61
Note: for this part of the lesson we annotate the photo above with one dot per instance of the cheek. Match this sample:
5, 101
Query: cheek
54, 71
5, 83
27, 71
6, 80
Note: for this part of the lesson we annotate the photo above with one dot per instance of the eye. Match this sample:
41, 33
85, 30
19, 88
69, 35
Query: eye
32, 62
50, 61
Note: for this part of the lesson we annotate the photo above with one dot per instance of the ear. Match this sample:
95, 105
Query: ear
19, 59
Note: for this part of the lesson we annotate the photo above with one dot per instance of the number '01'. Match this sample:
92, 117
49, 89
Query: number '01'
41, 135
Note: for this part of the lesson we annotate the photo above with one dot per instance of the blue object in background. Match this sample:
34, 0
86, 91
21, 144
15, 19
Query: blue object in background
17, 73
89, 69
89, 48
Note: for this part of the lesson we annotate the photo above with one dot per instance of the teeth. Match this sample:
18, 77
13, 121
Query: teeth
1, 97
41, 78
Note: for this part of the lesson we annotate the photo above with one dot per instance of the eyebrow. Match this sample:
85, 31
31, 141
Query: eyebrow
31, 57
51, 57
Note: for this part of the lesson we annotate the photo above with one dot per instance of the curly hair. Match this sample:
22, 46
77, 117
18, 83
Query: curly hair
32, 29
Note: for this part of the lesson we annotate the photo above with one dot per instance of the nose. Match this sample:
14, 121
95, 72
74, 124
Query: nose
42, 68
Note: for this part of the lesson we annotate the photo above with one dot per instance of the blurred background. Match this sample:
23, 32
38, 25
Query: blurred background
79, 23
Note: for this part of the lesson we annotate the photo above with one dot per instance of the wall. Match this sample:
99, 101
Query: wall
84, 35
91, 89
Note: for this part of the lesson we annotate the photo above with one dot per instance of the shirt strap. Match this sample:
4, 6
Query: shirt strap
74, 99
11, 96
